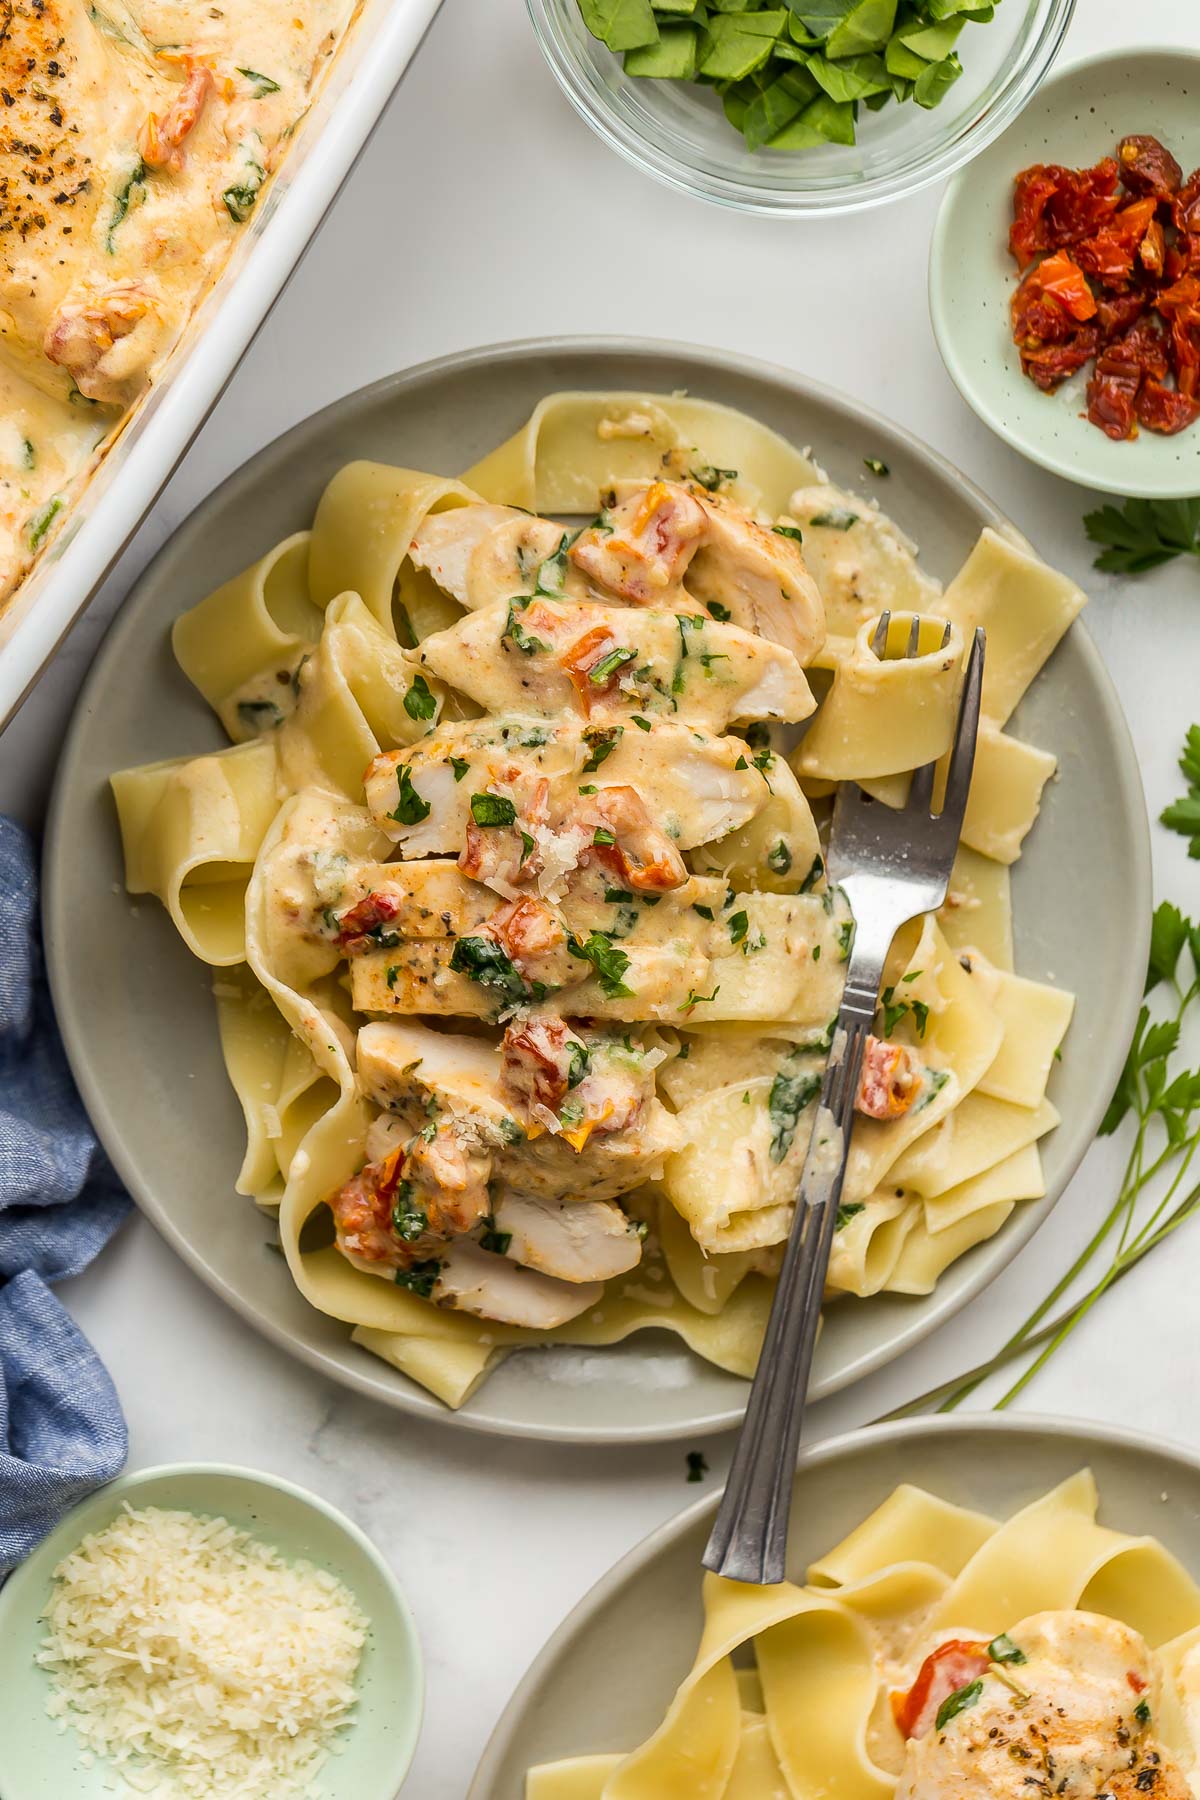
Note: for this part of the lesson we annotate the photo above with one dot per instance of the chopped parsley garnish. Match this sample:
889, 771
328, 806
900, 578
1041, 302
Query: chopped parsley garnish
259, 715
845, 1213
642, 724
957, 1702
262, 84
553, 572
602, 835
617, 896
815, 872
837, 520
410, 808
845, 938
608, 665
1141, 1711
42, 520
491, 1239
408, 1219
1183, 815
513, 629
493, 809
697, 1465
578, 1062
789, 531
739, 924
601, 742
717, 611
893, 1010
711, 478
393, 974
484, 961
779, 858
419, 702
28, 454
876, 467
694, 999
526, 849
609, 963
460, 765
419, 1279
1003, 1650
706, 912
239, 200
791, 1091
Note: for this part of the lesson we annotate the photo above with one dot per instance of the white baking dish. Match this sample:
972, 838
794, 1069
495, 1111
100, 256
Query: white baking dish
361, 79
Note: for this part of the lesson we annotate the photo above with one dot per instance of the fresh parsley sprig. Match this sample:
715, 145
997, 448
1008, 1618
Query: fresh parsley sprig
1142, 534
1160, 1101
1183, 815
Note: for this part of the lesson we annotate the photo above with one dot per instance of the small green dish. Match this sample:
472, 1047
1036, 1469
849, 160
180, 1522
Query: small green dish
1077, 116
40, 1762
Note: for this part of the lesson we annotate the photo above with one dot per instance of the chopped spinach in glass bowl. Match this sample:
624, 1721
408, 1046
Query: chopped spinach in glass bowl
822, 106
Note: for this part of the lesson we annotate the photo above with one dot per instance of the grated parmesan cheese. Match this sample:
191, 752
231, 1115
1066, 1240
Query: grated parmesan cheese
197, 1661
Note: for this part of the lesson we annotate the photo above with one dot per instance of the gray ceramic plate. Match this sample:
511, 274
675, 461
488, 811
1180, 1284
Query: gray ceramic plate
606, 1677
135, 1007
1079, 115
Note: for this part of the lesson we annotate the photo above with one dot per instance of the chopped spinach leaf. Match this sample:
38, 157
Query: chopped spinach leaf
420, 702
410, 808
419, 1277
493, 809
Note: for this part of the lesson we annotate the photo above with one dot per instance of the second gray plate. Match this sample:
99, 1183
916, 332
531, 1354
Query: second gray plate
135, 1007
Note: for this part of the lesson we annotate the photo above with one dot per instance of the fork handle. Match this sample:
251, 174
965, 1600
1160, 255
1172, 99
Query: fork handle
749, 1538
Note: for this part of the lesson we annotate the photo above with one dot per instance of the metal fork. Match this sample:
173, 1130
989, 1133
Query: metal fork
892, 865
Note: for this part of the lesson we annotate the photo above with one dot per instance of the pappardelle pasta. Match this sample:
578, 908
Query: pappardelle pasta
935, 1654
512, 879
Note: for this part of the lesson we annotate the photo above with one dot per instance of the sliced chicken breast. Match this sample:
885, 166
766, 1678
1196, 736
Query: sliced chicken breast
479, 554
573, 1240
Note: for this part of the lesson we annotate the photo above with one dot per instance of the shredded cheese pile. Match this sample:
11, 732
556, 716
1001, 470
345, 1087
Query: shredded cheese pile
198, 1662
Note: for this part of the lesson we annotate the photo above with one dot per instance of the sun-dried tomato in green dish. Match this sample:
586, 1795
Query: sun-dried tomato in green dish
792, 77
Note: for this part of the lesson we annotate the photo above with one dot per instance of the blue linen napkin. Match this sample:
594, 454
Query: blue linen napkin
62, 1432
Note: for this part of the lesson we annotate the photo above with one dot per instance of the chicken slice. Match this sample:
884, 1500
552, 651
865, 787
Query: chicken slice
412, 1069
1074, 1711
573, 1240
430, 1188
470, 1279
664, 544
490, 773
560, 657
480, 553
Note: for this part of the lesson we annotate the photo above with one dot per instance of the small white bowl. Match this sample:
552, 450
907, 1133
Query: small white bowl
40, 1762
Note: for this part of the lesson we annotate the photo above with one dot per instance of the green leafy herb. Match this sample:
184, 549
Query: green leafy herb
779, 858
1159, 1103
621, 24
608, 665
847, 1212
484, 961
491, 1239
789, 531
694, 999
791, 1091
617, 896
410, 808
1140, 534
1183, 815
526, 849
642, 724
578, 1062
876, 467
259, 715
716, 610
493, 809
408, 1219
957, 1702
262, 84
28, 454
460, 765
845, 940
123, 199
697, 1465
739, 924
1003, 1650
838, 519
40, 523
393, 974
419, 1277
603, 836
609, 963
815, 871
419, 702
239, 199
1141, 1712
711, 478
601, 742
553, 572
516, 632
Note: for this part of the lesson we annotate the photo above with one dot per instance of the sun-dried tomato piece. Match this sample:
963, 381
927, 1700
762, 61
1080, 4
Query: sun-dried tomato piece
1180, 306
1115, 313
1185, 209
1054, 207
1152, 251
1147, 167
1145, 346
1112, 393
1109, 256
1165, 409
1049, 365
1064, 279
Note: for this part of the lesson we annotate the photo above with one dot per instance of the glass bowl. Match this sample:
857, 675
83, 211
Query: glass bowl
677, 131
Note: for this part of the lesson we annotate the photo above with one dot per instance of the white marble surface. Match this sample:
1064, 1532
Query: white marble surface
430, 250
